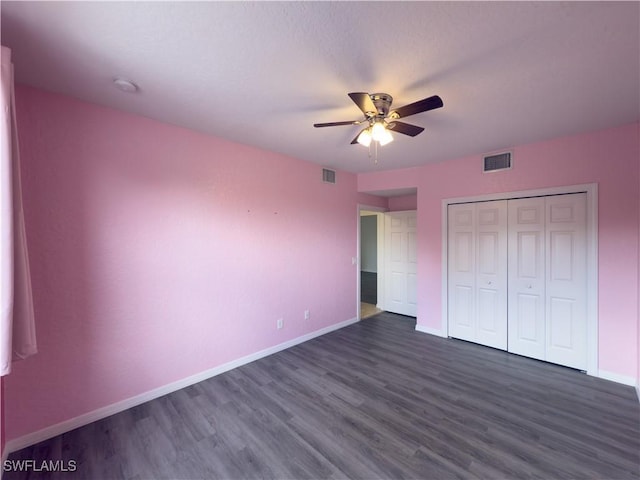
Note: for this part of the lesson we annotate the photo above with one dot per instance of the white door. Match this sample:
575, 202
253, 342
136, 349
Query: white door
547, 279
491, 273
462, 271
527, 277
566, 287
401, 263
477, 256
517, 276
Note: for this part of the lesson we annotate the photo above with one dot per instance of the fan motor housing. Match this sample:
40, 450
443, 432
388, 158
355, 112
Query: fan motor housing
382, 101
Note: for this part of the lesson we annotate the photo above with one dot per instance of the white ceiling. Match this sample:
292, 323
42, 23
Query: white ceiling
262, 73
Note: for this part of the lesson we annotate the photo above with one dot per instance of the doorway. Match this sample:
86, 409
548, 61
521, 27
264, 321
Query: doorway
370, 271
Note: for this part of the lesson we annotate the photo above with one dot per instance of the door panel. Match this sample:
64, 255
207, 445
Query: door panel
477, 258
461, 271
529, 327
526, 312
529, 259
401, 263
566, 280
397, 287
396, 246
561, 251
463, 254
488, 252
463, 316
491, 275
488, 304
561, 331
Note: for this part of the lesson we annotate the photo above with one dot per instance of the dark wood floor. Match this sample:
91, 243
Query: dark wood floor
374, 400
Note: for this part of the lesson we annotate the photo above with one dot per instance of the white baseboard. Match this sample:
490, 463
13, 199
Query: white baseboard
616, 377
431, 331
103, 412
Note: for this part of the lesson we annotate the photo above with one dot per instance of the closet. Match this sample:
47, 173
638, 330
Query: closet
517, 273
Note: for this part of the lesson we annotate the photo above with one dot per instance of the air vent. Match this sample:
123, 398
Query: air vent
328, 176
499, 161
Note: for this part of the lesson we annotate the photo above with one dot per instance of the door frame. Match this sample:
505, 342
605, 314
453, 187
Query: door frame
591, 189
379, 211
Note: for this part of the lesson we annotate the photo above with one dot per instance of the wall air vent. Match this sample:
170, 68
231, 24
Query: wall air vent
498, 161
328, 176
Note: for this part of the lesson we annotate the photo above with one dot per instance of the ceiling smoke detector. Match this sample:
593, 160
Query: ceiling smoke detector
125, 85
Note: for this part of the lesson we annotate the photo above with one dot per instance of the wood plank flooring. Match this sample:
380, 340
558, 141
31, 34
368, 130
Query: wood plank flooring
368, 310
374, 400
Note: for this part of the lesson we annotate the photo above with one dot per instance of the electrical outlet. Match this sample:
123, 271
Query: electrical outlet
279, 323
307, 315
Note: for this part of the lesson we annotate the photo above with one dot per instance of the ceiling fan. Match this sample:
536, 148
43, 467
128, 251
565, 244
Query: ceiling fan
381, 121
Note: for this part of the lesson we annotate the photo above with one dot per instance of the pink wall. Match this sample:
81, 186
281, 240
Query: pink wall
404, 202
158, 253
365, 200
610, 158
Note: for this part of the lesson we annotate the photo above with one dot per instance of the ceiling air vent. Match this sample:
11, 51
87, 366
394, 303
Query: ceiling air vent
328, 176
499, 161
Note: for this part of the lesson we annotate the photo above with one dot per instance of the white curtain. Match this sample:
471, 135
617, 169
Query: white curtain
17, 326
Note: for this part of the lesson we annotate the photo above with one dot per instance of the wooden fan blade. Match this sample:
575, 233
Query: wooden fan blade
355, 140
405, 128
423, 105
364, 103
337, 124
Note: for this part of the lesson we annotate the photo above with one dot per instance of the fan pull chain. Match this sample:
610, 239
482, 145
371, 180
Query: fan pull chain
375, 157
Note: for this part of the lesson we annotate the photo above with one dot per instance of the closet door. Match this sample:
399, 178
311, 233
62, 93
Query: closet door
566, 283
477, 272
527, 277
491, 273
517, 276
461, 271
547, 279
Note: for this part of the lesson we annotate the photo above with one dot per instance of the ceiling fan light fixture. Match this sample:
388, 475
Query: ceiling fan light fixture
380, 133
377, 131
385, 137
376, 109
365, 137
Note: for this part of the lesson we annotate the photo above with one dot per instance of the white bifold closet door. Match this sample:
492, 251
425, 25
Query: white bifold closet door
517, 276
401, 263
527, 280
547, 279
478, 272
